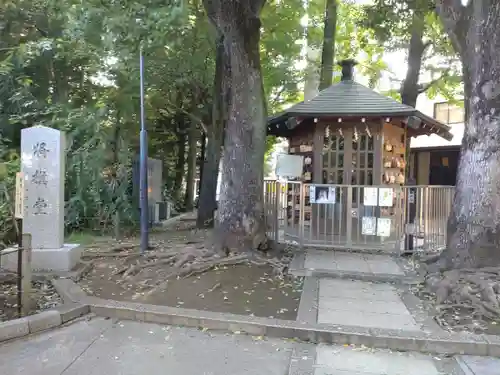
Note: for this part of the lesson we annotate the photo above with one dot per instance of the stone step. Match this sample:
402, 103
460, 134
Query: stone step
355, 266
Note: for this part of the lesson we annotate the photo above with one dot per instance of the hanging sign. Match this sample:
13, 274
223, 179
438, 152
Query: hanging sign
290, 166
321, 194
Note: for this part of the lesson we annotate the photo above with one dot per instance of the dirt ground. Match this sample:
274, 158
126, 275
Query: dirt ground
248, 289
44, 297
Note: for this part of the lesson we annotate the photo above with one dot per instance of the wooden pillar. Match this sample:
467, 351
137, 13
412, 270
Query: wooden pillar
378, 144
319, 137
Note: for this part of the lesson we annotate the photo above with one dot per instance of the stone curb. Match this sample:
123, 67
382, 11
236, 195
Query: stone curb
360, 276
436, 343
357, 250
297, 269
48, 319
174, 220
308, 306
40, 322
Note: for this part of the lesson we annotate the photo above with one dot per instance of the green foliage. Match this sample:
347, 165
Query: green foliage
352, 38
74, 66
392, 23
9, 165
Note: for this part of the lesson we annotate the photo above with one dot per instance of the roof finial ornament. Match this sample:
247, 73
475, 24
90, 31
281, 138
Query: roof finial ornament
347, 69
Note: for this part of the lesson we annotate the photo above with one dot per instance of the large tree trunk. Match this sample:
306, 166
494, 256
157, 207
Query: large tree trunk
328, 53
201, 160
181, 159
191, 161
240, 224
208, 185
474, 223
410, 89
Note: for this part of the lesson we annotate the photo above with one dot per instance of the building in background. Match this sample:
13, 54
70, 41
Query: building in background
434, 160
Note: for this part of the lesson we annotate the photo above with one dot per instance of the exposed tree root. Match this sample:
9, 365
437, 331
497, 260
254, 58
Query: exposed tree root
197, 268
191, 259
470, 294
107, 254
87, 267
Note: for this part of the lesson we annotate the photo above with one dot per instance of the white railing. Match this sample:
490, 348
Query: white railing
358, 217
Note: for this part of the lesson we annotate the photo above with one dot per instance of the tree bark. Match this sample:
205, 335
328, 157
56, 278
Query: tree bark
416, 49
201, 159
410, 86
474, 225
240, 224
181, 159
207, 202
191, 162
328, 53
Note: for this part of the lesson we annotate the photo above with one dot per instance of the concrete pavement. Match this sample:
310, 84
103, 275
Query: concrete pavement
358, 303
103, 347
370, 264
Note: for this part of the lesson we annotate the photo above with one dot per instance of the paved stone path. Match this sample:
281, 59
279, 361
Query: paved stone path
351, 262
104, 347
352, 361
364, 304
99, 347
479, 365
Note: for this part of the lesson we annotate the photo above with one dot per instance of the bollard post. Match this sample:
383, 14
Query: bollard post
410, 216
26, 274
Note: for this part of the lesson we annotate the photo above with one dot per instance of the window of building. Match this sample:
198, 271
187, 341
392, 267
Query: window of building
449, 113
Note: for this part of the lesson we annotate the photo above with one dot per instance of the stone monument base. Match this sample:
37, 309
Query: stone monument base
63, 259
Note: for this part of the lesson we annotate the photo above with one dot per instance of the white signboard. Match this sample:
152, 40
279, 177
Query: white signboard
42, 163
370, 196
19, 201
383, 227
369, 226
290, 166
321, 194
385, 197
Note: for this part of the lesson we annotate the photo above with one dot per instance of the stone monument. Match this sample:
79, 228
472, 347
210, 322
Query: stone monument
43, 167
155, 186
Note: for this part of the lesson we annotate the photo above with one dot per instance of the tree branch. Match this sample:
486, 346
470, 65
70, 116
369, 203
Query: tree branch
455, 18
426, 86
277, 96
427, 45
256, 6
192, 117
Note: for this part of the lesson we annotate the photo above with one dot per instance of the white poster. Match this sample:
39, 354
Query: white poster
370, 196
386, 197
383, 227
321, 194
289, 165
369, 226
